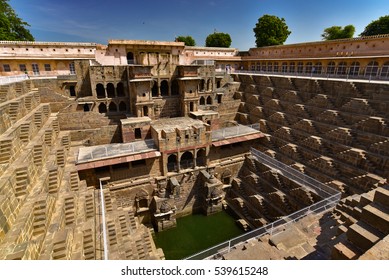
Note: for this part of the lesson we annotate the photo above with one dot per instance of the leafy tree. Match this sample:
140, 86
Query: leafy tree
188, 40
218, 39
270, 30
12, 28
337, 32
377, 27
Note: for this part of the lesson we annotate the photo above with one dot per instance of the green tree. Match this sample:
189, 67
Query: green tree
12, 27
218, 39
188, 40
377, 27
337, 32
270, 30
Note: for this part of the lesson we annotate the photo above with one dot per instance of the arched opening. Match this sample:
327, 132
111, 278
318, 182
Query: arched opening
354, 69
284, 67
172, 163
308, 67
130, 58
154, 89
145, 111
275, 69
175, 88
191, 107
164, 88
292, 67
72, 90
218, 84
331, 67
100, 91
202, 100
186, 160
318, 68
263, 66
342, 68
110, 90
120, 89
372, 68
122, 106
112, 107
385, 70
209, 100
202, 85
201, 159
269, 67
300, 67
209, 85
102, 108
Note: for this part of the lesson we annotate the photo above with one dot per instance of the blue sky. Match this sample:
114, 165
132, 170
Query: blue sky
101, 20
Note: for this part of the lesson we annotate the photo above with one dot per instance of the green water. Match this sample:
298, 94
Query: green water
195, 233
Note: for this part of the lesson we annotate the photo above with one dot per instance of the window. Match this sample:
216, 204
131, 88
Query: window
71, 68
6, 68
35, 68
22, 68
47, 67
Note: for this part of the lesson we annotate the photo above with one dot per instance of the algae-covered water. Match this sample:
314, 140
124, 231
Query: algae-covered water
195, 233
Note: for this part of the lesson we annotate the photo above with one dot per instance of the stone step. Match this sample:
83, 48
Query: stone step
377, 216
382, 196
363, 235
345, 251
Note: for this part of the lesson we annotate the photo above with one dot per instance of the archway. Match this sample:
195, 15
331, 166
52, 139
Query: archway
354, 69
154, 89
112, 107
209, 100
202, 85
284, 67
120, 89
331, 67
201, 159
342, 68
300, 67
175, 88
122, 106
385, 70
318, 68
172, 163
110, 90
100, 91
191, 107
102, 108
372, 68
292, 66
308, 67
186, 160
202, 100
164, 88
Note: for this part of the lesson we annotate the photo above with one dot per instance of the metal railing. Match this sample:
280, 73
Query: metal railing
331, 198
379, 74
12, 79
273, 229
302, 179
233, 131
113, 150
